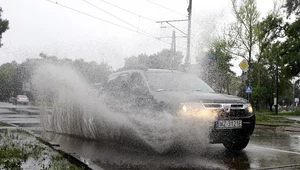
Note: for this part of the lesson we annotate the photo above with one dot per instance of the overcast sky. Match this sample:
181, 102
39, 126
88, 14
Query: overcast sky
41, 26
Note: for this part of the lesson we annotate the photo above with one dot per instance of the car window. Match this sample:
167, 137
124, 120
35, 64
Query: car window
120, 85
176, 81
138, 84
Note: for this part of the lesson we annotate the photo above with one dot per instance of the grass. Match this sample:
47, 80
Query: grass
269, 118
294, 113
4, 125
20, 150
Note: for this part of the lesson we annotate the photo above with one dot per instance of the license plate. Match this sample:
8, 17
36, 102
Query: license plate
229, 124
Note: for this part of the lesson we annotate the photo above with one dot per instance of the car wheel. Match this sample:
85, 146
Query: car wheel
236, 145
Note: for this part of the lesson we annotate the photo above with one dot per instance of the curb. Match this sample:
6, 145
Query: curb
71, 157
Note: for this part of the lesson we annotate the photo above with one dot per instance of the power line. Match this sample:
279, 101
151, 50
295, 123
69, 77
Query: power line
72, 9
169, 9
127, 11
89, 15
118, 18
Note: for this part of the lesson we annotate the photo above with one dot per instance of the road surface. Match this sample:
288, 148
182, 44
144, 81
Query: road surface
267, 149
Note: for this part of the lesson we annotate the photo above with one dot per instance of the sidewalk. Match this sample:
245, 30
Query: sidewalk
292, 126
296, 118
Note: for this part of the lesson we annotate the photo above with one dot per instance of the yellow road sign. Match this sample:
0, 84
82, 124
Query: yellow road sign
244, 65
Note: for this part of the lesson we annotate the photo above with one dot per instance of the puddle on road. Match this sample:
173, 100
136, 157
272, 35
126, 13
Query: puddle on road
276, 140
79, 110
108, 156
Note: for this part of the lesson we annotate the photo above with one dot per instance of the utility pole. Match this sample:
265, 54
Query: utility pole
186, 35
188, 47
276, 87
173, 49
173, 44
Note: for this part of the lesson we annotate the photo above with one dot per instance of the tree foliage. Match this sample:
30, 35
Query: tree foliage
292, 6
7, 73
290, 49
278, 47
165, 59
216, 66
13, 75
242, 37
4, 25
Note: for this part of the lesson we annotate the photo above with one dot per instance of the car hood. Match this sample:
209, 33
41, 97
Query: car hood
177, 97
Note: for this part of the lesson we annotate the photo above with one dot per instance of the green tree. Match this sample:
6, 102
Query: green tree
241, 36
279, 45
3, 25
269, 31
165, 59
217, 66
290, 49
92, 71
292, 6
7, 74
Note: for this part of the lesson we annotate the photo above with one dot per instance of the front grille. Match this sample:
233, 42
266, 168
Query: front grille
212, 105
236, 109
235, 106
233, 113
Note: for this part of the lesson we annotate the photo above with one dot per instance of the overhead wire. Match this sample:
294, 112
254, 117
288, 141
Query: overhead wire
169, 9
103, 20
72, 9
133, 13
118, 18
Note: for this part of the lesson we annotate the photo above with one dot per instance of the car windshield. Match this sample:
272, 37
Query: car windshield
176, 81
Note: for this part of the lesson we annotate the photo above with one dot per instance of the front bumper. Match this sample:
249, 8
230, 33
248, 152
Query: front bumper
222, 135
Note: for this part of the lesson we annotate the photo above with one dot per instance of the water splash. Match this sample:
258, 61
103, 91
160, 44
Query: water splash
78, 109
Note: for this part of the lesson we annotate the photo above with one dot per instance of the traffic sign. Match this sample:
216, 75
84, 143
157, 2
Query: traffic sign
248, 89
244, 65
296, 100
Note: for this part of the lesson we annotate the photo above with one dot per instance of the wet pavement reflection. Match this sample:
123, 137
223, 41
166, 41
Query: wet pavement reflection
115, 156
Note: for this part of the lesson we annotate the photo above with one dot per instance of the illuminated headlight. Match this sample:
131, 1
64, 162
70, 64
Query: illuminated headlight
196, 110
184, 108
188, 107
250, 109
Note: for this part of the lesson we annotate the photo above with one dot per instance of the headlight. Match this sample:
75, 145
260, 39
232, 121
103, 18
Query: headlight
188, 107
249, 108
196, 110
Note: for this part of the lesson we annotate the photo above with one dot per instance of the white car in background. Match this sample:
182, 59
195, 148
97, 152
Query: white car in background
21, 99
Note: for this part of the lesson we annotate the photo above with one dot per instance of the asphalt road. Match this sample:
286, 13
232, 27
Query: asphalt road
267, 149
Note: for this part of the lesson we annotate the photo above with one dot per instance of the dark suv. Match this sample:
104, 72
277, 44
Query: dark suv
185, 94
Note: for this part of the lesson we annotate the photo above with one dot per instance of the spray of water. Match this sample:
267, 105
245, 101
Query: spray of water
78, 109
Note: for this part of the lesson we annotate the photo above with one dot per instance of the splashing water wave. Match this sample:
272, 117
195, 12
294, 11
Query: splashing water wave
77, 109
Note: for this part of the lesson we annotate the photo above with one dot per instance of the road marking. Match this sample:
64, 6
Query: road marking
278, 150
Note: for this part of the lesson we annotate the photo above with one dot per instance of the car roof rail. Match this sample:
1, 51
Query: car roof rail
143, 68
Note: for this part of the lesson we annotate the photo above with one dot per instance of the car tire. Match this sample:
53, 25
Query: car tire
236, 145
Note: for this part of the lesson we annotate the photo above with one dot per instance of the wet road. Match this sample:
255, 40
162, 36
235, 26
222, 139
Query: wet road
267, 149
